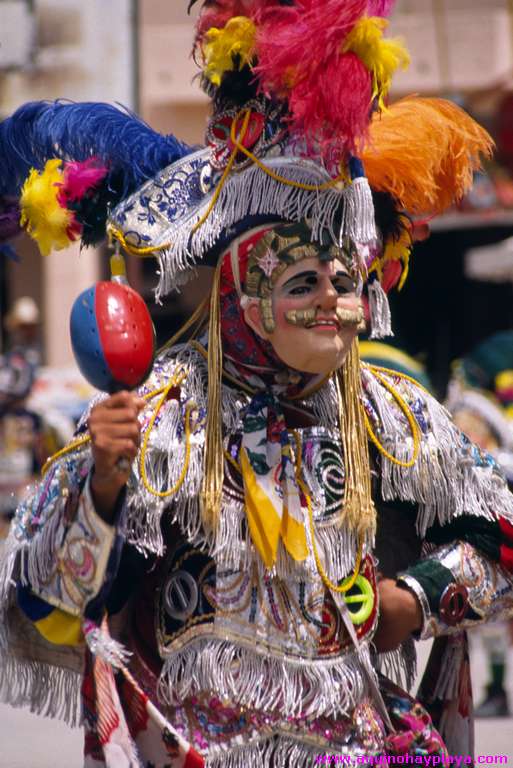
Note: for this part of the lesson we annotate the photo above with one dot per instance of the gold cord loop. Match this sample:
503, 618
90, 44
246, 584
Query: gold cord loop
412, 422
80, 441
347, 583
175, 381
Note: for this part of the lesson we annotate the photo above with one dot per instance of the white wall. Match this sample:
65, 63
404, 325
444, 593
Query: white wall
84, 51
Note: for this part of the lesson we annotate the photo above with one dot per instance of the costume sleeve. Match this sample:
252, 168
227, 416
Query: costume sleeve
461, 502
68, 556
467, 579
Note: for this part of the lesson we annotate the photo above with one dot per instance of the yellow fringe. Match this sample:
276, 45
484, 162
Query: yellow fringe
359, 510
198, 318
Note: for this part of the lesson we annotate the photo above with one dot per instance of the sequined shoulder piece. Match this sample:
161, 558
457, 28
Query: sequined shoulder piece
425, 458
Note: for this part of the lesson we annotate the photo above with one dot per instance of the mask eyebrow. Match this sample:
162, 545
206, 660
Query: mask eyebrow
345, 278
300, 276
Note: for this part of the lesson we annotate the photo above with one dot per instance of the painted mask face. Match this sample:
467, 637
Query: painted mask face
302, 299
317, 314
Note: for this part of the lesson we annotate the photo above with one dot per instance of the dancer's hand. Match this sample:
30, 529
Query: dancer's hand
115, 434
400, 615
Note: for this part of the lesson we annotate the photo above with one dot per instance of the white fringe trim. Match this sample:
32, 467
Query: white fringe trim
47, 690
102, 645
445, 480
280, 752
379, 310
400, 665
449, 675
260, 681
252, 192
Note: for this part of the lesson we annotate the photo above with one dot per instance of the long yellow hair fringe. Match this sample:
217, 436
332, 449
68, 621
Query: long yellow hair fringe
212, 485
359, 511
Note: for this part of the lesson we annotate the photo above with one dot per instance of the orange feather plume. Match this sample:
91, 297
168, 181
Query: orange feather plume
424, 151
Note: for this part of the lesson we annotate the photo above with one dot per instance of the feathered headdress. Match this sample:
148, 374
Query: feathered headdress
300, 129
69, 164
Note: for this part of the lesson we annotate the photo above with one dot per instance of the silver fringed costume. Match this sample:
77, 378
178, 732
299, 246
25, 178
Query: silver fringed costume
226, 616
269, 648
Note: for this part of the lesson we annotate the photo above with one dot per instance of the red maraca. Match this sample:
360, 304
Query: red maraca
112, 334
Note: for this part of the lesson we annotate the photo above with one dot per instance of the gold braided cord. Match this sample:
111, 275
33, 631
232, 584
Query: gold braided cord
227, 170
276, 176
79, 442
175, 381
212, 485
237, 147
135, 250
393, 372
347, 583
412, 422
197, 319
358, 506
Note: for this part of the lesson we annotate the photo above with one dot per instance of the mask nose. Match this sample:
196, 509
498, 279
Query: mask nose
328, 295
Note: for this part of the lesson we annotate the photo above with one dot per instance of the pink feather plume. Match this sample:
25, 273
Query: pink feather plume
380, 7
300, 59
80, 178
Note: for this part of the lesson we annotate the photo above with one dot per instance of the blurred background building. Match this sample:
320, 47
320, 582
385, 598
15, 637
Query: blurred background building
137, 53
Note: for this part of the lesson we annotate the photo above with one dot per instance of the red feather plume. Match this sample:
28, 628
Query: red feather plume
300, 59
380, 7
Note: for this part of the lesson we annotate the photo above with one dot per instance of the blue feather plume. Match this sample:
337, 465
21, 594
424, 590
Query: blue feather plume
41, 130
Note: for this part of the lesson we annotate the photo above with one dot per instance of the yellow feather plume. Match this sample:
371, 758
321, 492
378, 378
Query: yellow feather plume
400, 250
381, 56
41, 215
424, 152
222, 46
396, 248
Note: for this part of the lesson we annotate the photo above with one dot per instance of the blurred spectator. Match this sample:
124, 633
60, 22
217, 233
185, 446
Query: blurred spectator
387, 356
480, 399
22, 444
22, 324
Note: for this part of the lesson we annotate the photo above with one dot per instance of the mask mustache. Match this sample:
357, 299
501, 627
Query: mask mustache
304, 317
346, 317
351, 317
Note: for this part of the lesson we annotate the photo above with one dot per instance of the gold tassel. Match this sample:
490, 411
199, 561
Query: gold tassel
359, 510
212, 486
